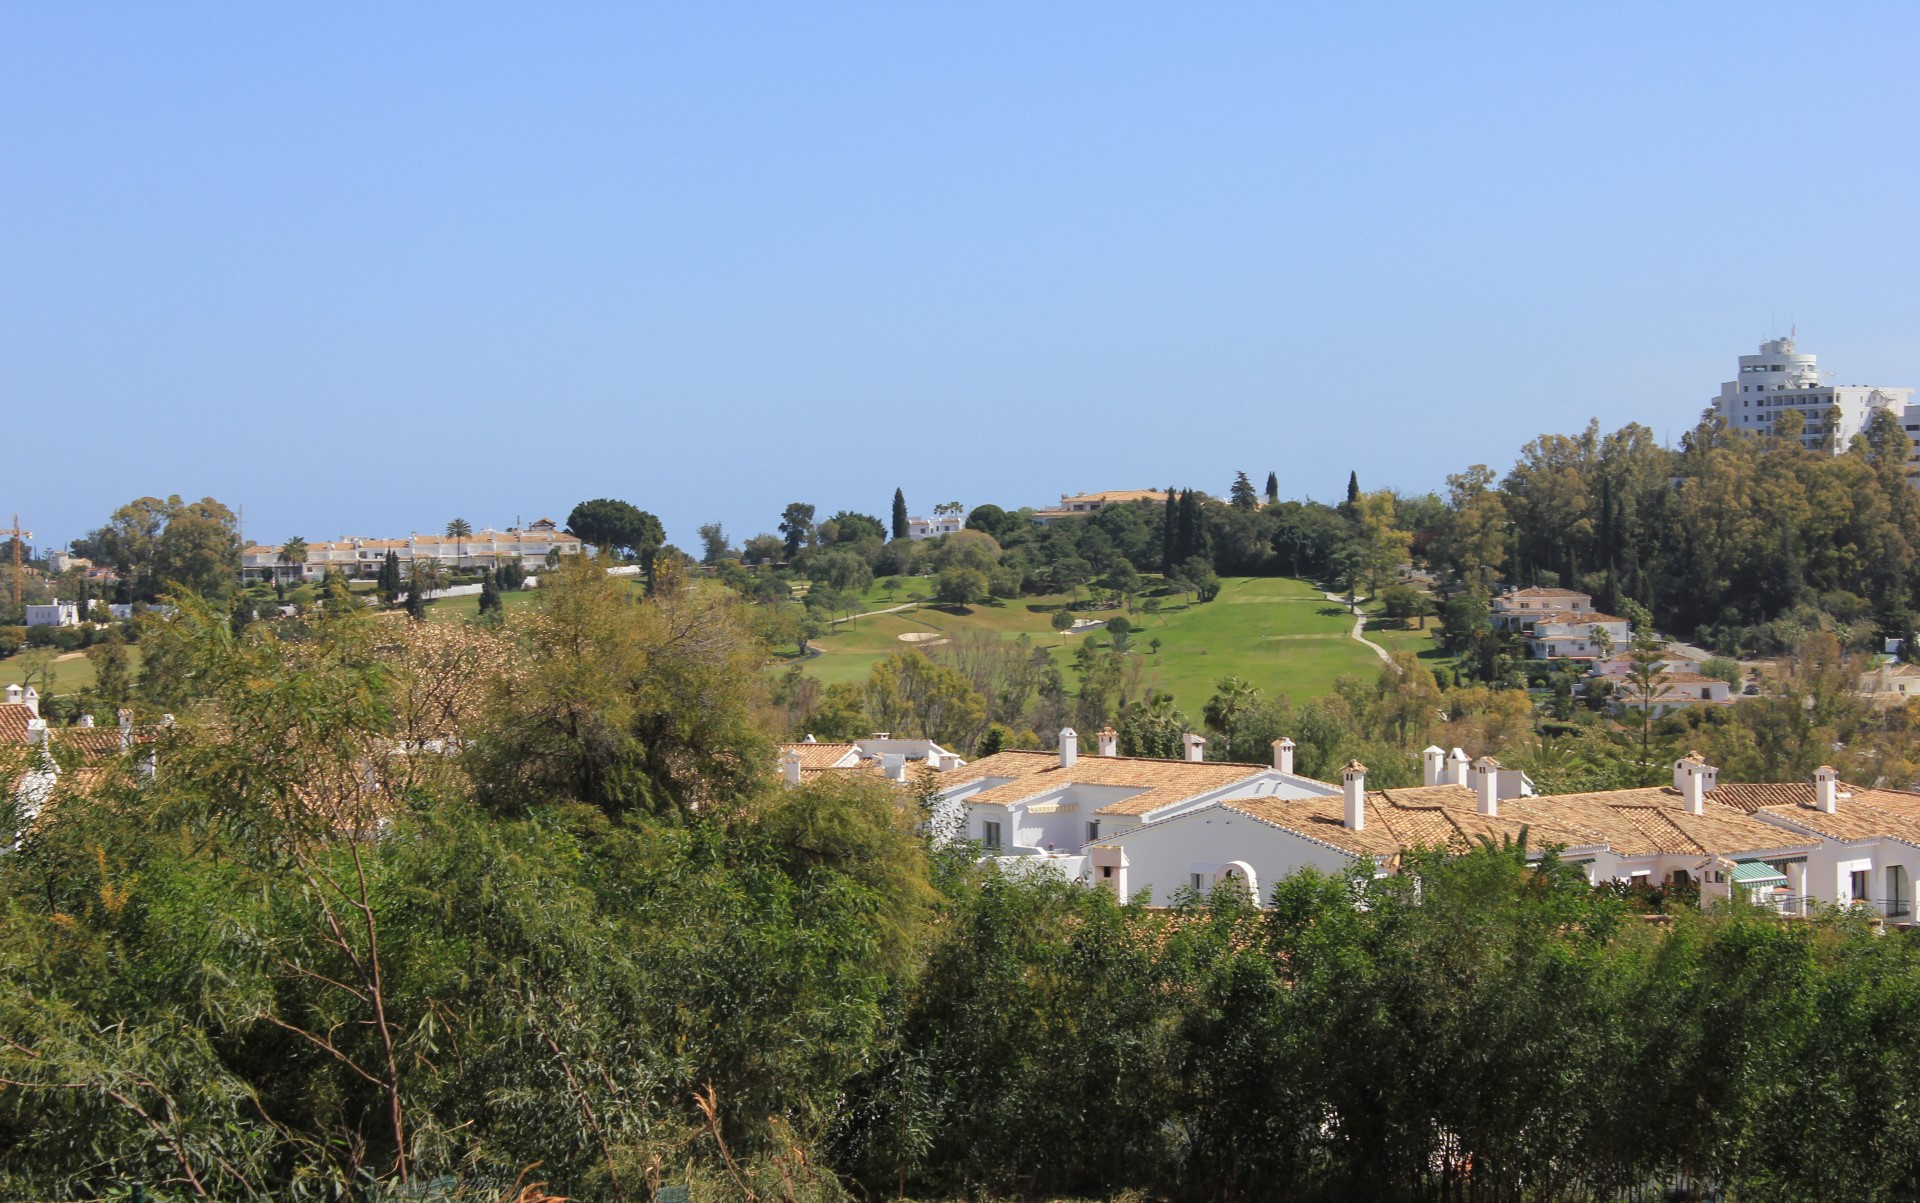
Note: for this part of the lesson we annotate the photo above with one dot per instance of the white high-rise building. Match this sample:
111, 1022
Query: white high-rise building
1779, 379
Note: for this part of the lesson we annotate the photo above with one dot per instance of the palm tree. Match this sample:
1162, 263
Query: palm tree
428, 574
293, 552
1232, 697
459, 529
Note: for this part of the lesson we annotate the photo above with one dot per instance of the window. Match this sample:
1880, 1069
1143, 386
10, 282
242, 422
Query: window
990, 835
1858, 887
1899, 896
1106, 870
1198, 881
1093, 830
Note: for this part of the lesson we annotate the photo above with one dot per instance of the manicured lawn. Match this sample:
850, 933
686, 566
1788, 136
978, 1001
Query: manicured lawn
70, 675
448, 609
848, 652
1280, 634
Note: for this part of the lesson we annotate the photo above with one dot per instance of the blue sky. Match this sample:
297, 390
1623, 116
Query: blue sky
363, 268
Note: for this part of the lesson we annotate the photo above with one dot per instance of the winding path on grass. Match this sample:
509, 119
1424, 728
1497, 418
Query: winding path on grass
870, 613
1359, 624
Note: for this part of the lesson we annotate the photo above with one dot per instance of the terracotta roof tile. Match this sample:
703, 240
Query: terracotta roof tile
817, 755
1640, 822
1434, 816
1160, 782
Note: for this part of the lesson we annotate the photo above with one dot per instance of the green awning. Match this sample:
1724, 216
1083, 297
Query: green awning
1758, 873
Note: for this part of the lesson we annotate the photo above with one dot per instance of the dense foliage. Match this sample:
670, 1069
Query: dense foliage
407, 909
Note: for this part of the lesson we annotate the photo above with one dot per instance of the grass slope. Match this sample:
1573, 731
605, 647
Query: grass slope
72, 673
1278, 633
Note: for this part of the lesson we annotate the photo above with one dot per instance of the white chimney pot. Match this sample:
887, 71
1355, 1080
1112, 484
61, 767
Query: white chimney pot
1283, 756
1353, 780
1069, 747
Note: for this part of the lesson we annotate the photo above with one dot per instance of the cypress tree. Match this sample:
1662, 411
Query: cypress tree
416, 603
1168, 540
489, 594
899, 514
1353, 491
389, 579
1273, 488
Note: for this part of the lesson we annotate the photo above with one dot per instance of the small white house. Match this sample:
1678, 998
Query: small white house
1867, 841
1048, 807
69, 614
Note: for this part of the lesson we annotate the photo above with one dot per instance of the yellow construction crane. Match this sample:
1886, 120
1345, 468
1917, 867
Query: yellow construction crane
19, 537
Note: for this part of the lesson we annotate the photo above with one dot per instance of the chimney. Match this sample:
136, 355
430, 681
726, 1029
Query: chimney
1486, 786
1435, 762
37, 732
894, 766
13, 696
1690, 778
882, 735
1109, 742
86, 722
31, 699
1283, 756
1354, 778
791, 768
1069, 747
1456, 767
1826, 789
126, 727
1194, 746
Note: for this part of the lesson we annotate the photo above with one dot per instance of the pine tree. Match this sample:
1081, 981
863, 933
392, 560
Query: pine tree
899, 514
1241, 495
417, 602
1273, 488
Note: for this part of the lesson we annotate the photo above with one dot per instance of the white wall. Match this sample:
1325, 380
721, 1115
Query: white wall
1162, 857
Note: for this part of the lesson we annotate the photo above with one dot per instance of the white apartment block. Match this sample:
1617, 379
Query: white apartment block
1780, 379
362, 557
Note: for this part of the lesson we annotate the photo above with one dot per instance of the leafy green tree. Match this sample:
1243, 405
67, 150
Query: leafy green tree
617, 527
490, 603
961, 586
991, 519
796, 528
901, 523
1241, 496
1062, 620
713, 544
1153, 728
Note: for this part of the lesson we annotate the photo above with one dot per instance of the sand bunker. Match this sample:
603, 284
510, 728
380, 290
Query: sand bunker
920, 637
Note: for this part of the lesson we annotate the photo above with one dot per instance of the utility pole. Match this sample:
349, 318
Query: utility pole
19, 537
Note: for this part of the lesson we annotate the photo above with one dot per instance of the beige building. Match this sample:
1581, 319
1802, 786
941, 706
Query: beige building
362, 557
1079, 504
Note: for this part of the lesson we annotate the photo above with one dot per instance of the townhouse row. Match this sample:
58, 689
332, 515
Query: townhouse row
1159, 829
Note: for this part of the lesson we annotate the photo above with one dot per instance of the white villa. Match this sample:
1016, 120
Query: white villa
353, 556
1515, 608
68, 614
811, 760
1780, 379
928, 528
